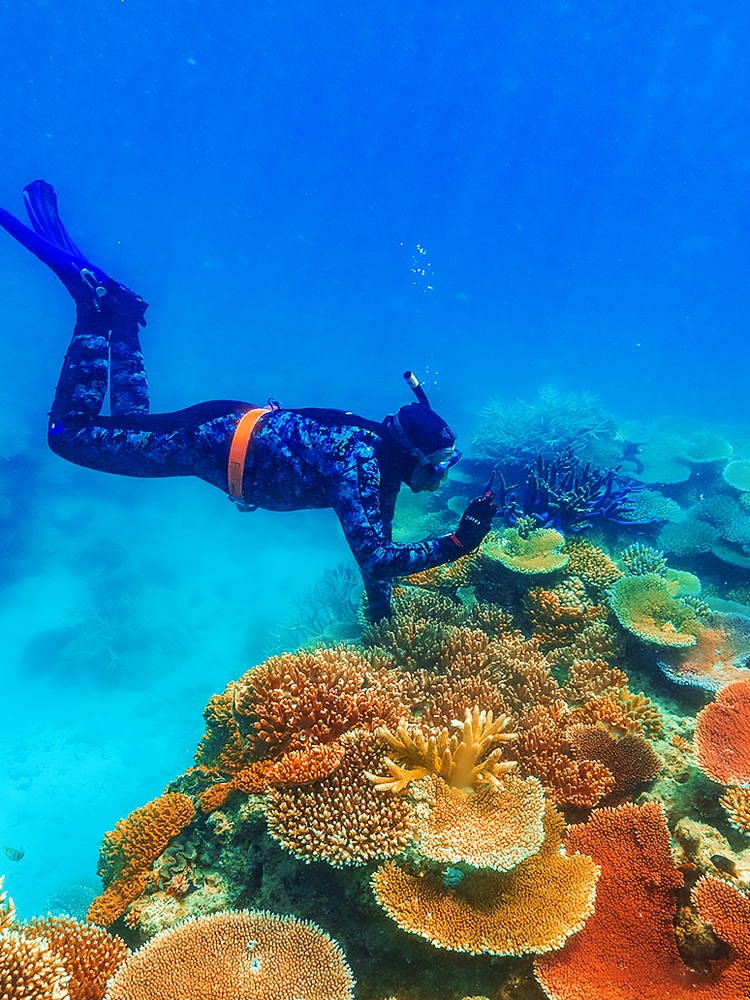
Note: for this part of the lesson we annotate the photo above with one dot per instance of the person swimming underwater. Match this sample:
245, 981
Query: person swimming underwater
260, 456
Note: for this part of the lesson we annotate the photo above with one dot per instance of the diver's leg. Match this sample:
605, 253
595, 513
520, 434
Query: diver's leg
83, 380
128, 384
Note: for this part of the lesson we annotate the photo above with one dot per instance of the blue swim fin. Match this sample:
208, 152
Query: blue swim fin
49, 240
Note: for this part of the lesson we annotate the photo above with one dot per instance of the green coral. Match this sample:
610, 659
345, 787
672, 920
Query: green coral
640, 559
643, 605
529, 552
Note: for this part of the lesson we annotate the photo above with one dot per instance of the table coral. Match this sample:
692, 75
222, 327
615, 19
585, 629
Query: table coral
722, 735
644, 606
495, 827
131, 848
718, 657
627, 950
342, 819
539, 551
236, 955
89, 954
531, 909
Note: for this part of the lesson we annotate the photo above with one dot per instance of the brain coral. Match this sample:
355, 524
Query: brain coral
236, 955
531, 909
722, 735
644, 606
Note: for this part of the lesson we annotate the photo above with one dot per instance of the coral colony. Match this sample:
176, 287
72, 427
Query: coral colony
533, 781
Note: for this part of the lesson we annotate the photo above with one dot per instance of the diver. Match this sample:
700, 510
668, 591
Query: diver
260, 456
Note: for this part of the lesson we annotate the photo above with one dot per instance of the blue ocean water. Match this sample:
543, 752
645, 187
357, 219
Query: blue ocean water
314, 197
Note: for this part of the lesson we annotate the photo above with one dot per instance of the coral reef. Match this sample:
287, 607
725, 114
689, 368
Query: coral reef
644, 606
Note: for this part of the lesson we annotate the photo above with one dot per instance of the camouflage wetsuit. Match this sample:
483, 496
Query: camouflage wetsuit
299, 459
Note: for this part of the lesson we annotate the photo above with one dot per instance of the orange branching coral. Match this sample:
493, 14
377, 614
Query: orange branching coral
7, 909
298, 699
223, 746
590, 678
591, 563
531, 909
605, 713
523, 674
89, 955
495, 827
557, 614
29, 970
631, 759
736, 803
597, 641
462, 761
237, 955
728, 913
627, 950
131, 848
299, 767
543, 751
342, 819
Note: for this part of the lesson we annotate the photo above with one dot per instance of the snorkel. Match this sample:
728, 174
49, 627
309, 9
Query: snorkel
425, 437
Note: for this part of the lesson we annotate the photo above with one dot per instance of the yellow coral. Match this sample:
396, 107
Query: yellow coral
538, 551
591, 563
7, 909
463, 762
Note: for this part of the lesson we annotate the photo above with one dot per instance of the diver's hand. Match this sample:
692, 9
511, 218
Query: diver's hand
476, 522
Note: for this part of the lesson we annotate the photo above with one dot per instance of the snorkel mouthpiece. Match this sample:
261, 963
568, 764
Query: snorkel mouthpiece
416, 387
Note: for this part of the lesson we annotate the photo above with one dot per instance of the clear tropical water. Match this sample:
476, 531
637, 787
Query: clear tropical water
312, 198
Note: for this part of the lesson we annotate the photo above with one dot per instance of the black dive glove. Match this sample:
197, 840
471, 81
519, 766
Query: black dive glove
476, 522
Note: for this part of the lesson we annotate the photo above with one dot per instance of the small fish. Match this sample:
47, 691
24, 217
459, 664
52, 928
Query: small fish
723, 864
14, 853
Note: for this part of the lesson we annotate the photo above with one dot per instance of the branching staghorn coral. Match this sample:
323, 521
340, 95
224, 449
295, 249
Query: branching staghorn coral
462, 762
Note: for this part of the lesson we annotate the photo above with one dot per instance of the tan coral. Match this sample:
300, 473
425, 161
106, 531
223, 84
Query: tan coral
736, 804
342, 819
30, 970
89, 954
591, 563
7, 909
237, 955
531, 909
495, 827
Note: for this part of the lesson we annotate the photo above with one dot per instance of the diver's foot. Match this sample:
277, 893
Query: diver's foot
50, 242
